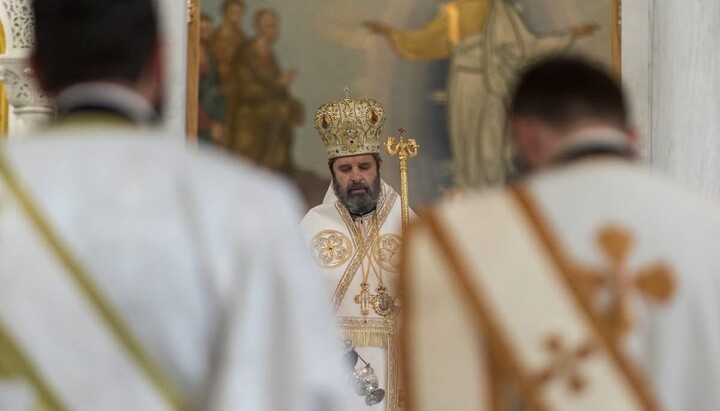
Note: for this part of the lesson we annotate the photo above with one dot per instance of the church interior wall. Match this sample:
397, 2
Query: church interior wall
685, 92
669, 61
331, 49
36, 110
175, 25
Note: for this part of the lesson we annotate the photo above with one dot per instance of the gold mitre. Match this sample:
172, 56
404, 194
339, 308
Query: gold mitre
350, 127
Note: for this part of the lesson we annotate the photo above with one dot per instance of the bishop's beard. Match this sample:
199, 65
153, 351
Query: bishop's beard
358, 204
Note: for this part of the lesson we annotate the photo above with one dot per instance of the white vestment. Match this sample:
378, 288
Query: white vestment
336, 241
199, 256
483, 68
604, 221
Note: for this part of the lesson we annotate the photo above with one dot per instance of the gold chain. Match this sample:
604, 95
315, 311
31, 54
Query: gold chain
382, 303
374, 233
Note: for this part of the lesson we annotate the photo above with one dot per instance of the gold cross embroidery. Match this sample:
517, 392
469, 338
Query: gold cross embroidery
565, 363
654, 282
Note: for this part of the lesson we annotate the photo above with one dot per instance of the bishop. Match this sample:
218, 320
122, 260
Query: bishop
355, 237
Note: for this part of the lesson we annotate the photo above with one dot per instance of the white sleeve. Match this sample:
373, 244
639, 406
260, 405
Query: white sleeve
279, 351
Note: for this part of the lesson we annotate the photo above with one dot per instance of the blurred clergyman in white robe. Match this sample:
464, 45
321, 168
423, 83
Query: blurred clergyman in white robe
136, 274
591, 284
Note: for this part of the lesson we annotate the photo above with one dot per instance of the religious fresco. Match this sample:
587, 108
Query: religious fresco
443, 70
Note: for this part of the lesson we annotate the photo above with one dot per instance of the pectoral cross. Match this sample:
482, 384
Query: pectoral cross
654, 282
365, 299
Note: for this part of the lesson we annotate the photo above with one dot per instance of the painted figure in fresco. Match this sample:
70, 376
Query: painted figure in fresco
264, 113
227, 41
487, 43
211, 110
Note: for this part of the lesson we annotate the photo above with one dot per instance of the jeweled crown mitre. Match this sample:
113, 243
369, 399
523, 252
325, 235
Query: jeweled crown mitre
350, 127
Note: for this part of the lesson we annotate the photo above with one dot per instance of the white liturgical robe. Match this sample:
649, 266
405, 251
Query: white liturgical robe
596, 283
347, 249
198, 256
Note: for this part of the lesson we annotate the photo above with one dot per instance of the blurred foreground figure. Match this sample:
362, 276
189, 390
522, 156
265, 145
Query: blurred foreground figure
136, 275
590, 285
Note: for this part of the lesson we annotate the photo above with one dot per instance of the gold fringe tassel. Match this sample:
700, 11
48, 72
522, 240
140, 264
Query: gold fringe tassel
372, 337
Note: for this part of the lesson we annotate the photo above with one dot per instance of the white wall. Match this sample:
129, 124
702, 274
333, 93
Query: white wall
685, 91
174, 15
671, 65
636, 55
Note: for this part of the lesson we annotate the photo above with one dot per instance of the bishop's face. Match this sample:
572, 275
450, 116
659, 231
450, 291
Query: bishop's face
356, 182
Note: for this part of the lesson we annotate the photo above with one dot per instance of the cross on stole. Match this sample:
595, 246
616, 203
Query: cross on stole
654, 282
565, 363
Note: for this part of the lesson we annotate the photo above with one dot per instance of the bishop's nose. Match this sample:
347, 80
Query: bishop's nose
357, 178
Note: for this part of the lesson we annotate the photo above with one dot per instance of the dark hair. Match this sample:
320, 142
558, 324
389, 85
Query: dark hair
227, 3
376, 156
206, 17
85, 40
564, 90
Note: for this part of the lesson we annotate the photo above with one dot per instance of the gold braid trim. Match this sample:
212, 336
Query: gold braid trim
14, 363
362, 246
636, 383
393, 375
367, 332
486, 320
366, 338
82, 280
